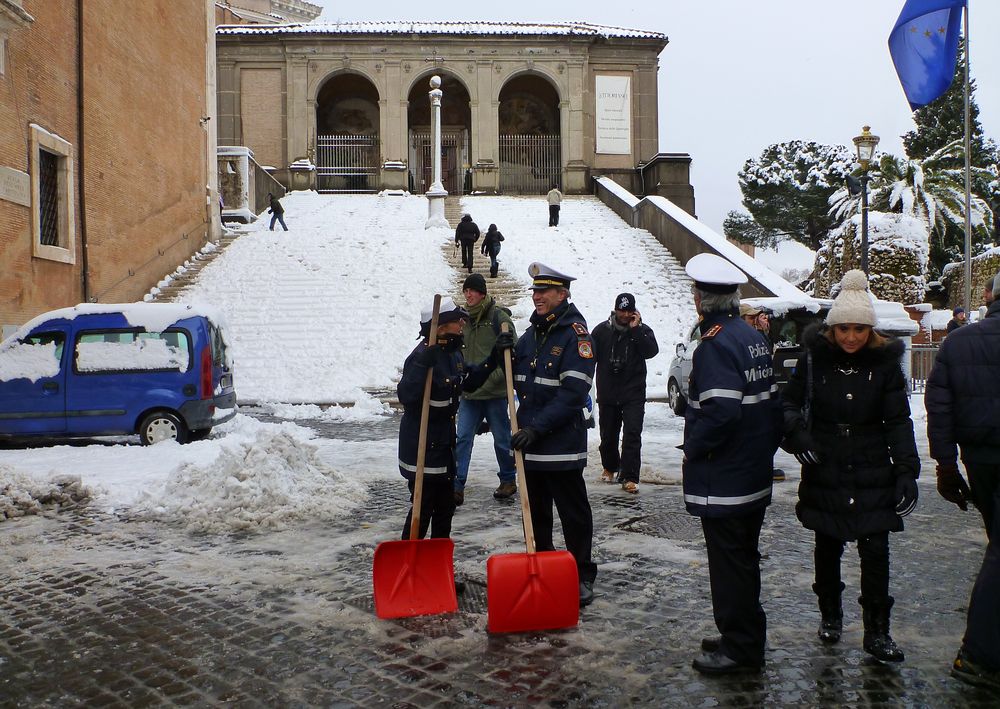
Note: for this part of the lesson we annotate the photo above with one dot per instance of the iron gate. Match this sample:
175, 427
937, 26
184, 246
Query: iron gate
921, 362
347, 163
454, 158
529, 164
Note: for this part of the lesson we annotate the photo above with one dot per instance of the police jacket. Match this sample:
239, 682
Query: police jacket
451, 377
861, 428
963, 394
621, 356
553, 373
732, 425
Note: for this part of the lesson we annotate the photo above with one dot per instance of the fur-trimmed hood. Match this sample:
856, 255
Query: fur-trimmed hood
814, 338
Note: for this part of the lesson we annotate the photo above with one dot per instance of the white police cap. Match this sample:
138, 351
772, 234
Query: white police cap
714, 274
447, 313
546, 277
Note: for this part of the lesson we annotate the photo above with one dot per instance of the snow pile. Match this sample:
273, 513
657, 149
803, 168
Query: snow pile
364, 410
264, 477
22, 494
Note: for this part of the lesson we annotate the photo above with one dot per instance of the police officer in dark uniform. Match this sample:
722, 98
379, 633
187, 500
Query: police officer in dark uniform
553, 373
452, 376
732, 428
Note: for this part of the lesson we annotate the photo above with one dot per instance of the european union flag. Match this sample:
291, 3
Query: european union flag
924, 48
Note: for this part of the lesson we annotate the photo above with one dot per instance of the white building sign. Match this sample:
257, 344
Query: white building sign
15, 186
614, 115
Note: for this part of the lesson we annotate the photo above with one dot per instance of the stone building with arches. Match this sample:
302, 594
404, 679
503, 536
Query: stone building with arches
525, 106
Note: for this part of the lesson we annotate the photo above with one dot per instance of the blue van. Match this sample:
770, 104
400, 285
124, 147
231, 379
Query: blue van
161, 370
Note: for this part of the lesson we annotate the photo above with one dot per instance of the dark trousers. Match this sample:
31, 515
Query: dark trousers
437, 506
567, 489
734, 573
614, 418
982, 631
874, 554
467, 250
553, 215
279, 217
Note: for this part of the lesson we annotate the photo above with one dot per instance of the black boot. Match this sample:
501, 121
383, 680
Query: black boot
832, 624
493, 271
877, 641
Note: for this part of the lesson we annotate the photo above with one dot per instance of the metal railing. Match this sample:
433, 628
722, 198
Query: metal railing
347, 163
454, 155
529, 164
921, 361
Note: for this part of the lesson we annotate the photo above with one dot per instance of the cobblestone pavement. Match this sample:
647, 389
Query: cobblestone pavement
100, 610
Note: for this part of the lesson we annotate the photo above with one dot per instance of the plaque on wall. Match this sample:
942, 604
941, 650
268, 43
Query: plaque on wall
614, 114
15, 186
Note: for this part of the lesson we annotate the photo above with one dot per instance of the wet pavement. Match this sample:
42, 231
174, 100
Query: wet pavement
103, 610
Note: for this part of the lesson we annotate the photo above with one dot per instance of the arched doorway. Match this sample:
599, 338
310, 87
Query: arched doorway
347, 140
456, 149
528, 119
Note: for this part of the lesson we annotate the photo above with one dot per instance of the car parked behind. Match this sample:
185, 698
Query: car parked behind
158, 370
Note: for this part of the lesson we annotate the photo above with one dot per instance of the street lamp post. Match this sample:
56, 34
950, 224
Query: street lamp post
865, 144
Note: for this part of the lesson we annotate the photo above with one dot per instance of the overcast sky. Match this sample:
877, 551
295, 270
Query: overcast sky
739, 75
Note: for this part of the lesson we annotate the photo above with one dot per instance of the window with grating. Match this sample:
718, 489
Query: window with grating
48, 197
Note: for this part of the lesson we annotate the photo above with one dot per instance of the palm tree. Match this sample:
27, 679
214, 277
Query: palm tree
931, 189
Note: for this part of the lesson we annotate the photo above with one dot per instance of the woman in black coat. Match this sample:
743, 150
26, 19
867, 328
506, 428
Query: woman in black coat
491, 247
847, 420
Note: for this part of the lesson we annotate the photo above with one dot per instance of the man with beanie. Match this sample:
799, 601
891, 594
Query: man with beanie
963, 416
467, 234
732, 427
957, 320
553, 372
622, 344
488, 402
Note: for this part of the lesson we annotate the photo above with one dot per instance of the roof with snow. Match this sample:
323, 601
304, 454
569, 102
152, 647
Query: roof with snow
554, 29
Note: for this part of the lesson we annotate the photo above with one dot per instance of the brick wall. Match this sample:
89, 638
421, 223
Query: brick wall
261, 105
146, 149
38, 86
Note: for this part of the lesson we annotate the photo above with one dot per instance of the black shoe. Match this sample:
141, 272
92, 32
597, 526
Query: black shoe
459, 588
715, 663
711, 644
586, 593
459, 497
965, 670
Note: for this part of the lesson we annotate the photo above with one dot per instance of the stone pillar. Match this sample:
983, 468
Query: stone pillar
437, 193
297, 120
485, 130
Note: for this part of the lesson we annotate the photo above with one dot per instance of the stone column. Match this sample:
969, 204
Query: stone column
437, 192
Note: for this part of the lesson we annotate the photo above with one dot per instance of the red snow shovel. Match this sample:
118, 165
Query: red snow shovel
536, 590
416, 576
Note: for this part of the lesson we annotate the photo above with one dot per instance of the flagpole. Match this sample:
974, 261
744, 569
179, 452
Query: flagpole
968, 174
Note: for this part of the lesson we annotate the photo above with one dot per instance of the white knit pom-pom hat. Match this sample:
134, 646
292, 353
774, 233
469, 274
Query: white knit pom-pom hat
854, 303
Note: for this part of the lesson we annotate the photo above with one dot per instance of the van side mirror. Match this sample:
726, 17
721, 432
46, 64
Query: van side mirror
678, 348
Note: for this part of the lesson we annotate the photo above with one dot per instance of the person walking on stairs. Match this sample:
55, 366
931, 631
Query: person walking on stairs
491, 247
467, 234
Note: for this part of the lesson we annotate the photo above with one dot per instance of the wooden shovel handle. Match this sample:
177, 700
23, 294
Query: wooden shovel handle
425, 414
522, 485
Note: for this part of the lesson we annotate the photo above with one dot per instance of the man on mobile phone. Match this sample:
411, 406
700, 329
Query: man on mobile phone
622, 344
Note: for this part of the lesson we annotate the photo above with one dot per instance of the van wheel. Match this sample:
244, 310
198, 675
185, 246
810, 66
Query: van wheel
678, 404
162, 426
199, 434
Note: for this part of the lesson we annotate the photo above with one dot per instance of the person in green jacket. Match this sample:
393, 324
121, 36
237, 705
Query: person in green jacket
489, 402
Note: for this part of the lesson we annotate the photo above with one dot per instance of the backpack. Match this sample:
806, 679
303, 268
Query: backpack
496, 316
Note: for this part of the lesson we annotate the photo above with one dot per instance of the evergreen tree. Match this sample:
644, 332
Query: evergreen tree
786, 190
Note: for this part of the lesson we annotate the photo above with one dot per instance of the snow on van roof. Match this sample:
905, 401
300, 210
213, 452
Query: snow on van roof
153, 317
892, 317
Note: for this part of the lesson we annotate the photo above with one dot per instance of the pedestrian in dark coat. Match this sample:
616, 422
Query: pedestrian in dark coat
276, 211
847, 420
467, 234
491, 247
958, 319
963, 415
553, 371
732, 427
622, 344
451, 377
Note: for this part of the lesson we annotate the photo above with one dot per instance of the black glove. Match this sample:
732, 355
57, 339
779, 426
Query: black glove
505, 341
906, 494
523, 438
429, 356
484, 427
952, 486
